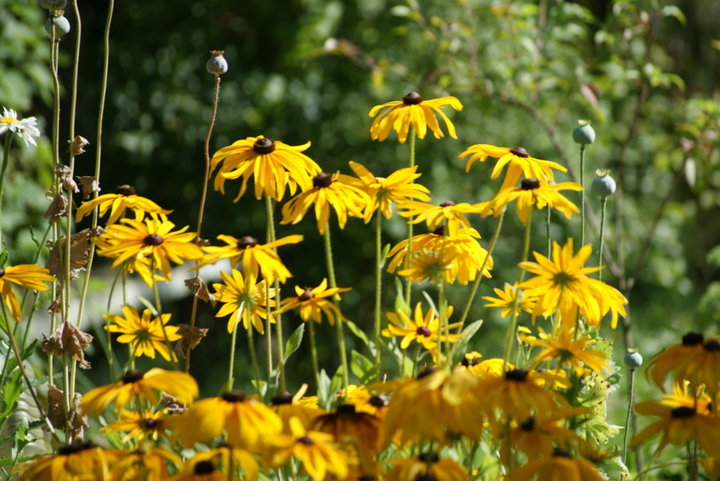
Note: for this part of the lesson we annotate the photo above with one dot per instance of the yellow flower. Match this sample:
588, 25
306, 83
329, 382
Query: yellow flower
452, 214
517, 160
357, 432
273, 165
316, 450
124, 198
225, 456
567, 349
200, 470
505, 300
558, 466
423, 329
398, 187
145, 335
244, 299
675, 358
140, 425
247, 422
536, 435
77, 461
427, 466
327, 191
562, 285
315, 302
532, 192
412, 111
256, 258
152, 238
431, 266
135, 385
147, 464
30, 276
288, 406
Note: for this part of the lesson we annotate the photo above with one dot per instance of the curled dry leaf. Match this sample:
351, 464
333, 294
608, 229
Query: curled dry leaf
79, 250
200, 290
57, 208
190, 338
64, 176
74, 422
68, 339
88, 185
78, 145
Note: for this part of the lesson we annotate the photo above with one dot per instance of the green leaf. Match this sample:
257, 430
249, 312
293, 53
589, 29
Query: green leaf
324, 390
675, 12
293, 342
462, 343
11, 393
358, 332
400, 304
362, 367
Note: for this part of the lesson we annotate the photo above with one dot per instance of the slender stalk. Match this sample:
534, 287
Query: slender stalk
378, 293
5, 162
314, 353
410, 226
339, 323
231, 366
547, 232
54, 48
279, 337
253, 358
510, 335
692, 461
442, 317
603, 206
270, 235
631, 402
582, 195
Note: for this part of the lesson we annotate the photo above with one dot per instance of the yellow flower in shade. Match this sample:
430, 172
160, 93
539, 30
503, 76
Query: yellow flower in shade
247, 422
448, 213
200, 470
675, 358
558, 466
566, 349
398, 187
123, 199
136, 385
462, 250
147, 464
562, 285
532, 192
288, 406
364, 401
144, 334
328, 191
505, 300
427, 466
256, 258
219, 459
518, 161
412, 111
682, 418
430, 266
152, 238
316, 450
357, 432
274, 166
244, 299
314, 303
78, 461
139, 426
30, 276
423, 329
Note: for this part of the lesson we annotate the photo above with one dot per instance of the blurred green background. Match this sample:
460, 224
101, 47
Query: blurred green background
646, 73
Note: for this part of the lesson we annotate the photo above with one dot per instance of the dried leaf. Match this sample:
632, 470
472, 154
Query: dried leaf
64, 175
172, 405
200, 290
78, 145
56, 412
57, 208
190, 338
88, 185
68, 339
79, 250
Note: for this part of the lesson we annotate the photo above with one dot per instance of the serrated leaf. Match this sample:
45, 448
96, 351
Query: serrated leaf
293, 342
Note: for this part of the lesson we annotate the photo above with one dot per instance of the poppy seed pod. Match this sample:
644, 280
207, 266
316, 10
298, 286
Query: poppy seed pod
603, 185
583, 134
217, 65
53, 4
633, 359
62, 25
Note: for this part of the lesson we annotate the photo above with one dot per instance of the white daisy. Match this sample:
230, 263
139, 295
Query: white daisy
26, 129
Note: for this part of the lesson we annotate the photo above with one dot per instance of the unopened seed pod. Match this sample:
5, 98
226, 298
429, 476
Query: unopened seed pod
217, 65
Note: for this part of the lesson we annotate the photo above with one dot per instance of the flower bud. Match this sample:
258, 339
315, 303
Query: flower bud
217, 65
603, 185
583, 134
62, 25
633, 359
53, 4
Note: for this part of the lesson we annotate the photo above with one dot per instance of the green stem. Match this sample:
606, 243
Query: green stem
253, 358
54, 49
339, 322
270, 235
5, 162
231, 366
443, 345
410, 226
582, 195
510, 335
314, 353
603, 208
279, 337
631, 401
547, 231
692, 466
378, 293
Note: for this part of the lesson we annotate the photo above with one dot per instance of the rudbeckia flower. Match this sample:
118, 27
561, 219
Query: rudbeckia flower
505, 300
136, 385
256, 258
200, 470
147, 424
314, 303
426, 467
558, 466
288, 406
355, 431
30, 276
144, 334
244, 299
567, 349
430, 266
274, 166
412, 111
397, 187
448, 213
675, 358
364, 401
222, 458
562, 285
518, 161
533, 193
148, 464
79, 460
328, 191
152, 238
123, 199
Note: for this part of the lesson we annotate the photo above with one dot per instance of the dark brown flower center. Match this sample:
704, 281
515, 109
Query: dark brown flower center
306, 440
413, 98
520, 152
447, 203
528, 425
322, 180
561, 453
306, 295
439, 230
346, 409
519, 375
423, 331
429, 457
132, 376
149, 423
204, 467
74, 447
125, 190
692, 339
282, 398
529, 184
233, 396
153, 240
379, 400
367, 477
713, 345
2, 272
247, 241
425, 477
683, 412
263, 146
467, 362
425, 372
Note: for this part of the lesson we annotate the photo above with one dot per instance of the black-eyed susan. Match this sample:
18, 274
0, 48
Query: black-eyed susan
533, 193
304, 408
244, 299
364, 401
432, 266
200, 470
147, 464
328, 191
225, 456
675, 358
246, 421
561, 465
274, 166
136, 385
399, 186
704, 367
255, 257
565, 348
314, 303
29, 276
123, 199
357, 432
144, 333
562, 285
316, 450
448, 213
518, 161
139, 426
412, 111
505, 300
152, 238
427, 467
80, 460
